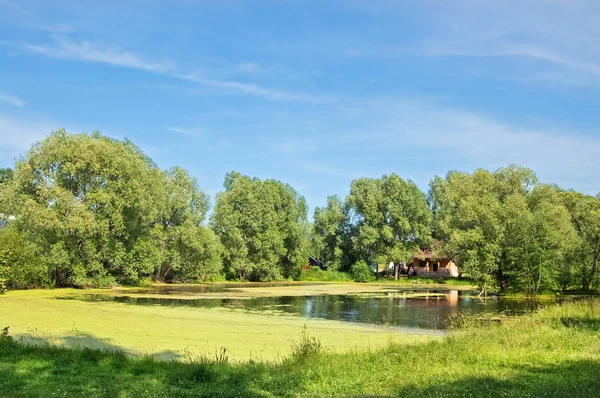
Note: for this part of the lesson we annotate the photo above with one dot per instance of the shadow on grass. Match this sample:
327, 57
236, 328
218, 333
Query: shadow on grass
587, 323
570, 380
47, 370
86, 341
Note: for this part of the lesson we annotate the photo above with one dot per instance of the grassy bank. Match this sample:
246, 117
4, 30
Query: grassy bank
314, 274
554, 353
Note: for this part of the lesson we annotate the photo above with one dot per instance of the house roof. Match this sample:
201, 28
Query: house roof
427, 253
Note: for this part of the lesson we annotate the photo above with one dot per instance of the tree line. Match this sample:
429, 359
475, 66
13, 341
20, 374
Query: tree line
88, 210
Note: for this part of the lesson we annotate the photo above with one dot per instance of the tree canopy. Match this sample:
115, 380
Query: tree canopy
584, 211
329, 232
503, 226
6, 175
392, 218
89, 210
89, 207
262, 226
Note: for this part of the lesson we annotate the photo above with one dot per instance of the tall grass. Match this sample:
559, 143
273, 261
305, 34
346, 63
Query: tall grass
315, 274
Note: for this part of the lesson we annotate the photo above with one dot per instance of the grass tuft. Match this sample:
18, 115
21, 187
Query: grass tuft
306, 346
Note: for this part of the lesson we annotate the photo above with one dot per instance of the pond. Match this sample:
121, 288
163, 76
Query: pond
394, 306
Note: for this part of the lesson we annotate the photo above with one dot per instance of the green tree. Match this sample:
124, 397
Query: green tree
470, 217
6, 174
328, 232
262, 226
19, 266
584, 211
391, 218
185, 249
96, 211
538, 238
8, 199
87, 204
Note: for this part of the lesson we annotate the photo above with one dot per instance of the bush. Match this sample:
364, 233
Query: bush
361, 272
316, 274
20, 268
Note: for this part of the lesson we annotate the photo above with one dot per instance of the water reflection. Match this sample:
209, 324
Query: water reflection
429, 309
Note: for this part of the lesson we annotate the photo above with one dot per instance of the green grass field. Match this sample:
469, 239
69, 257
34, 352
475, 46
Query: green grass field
553, 353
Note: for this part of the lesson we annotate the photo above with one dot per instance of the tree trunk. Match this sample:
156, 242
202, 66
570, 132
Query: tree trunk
539, 281
585, 281
594, 269
483, 290
500, 275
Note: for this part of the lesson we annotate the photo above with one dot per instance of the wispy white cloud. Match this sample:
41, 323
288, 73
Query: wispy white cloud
254, 89
88, 51
419, 137
94, 52
229, 114
550, 40
192, 132
11, 100
458, 136
526, 51
14, 6
249, 67
30, 20
561, 35
59, 29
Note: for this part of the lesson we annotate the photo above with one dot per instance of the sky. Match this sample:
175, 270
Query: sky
315, 93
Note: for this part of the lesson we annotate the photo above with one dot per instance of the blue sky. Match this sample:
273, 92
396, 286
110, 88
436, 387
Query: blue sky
313, 93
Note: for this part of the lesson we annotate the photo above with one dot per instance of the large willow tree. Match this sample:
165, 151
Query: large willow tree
390, 218
585, 257
329, 233
262, 226
92, 209
183, 247
503, 226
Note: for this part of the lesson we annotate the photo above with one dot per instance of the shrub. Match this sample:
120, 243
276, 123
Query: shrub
361, 272
20, 268
316, 274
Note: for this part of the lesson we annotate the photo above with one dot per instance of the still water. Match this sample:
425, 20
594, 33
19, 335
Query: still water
406, 307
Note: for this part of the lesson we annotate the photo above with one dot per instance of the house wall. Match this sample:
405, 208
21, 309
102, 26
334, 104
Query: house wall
446, 268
